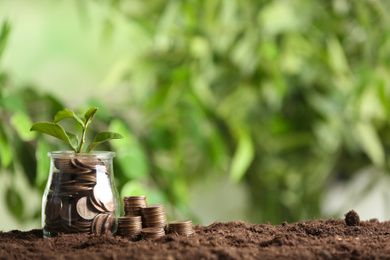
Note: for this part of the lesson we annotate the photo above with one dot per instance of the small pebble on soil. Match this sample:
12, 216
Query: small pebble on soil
352, 218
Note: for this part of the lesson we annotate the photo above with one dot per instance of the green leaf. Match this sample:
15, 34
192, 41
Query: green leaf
90, 114
336, 55
371, 143
242, 158
14, 203
5, 30
5, 150
63, 114
43, 165
13, 103
20, 123
74, 139
57, 131
131, 156
103, 137
279, 17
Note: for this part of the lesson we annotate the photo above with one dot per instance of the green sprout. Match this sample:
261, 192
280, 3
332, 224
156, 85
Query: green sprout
56, 130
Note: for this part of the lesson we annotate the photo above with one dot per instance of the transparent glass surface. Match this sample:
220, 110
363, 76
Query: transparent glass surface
80, 195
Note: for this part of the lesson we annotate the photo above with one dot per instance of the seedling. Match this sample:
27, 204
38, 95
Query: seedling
56, 130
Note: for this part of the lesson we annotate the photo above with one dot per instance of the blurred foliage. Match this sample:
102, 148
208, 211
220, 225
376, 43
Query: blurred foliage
284, 96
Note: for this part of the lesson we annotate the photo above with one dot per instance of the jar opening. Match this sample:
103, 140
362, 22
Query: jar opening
72, 154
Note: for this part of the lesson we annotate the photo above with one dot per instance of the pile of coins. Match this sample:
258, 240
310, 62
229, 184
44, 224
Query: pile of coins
154, 220
133, 205
154, 216
80, 199
152, 233
130, 226
181, 227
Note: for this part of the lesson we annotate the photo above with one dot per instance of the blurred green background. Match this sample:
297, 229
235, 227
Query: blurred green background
232, 110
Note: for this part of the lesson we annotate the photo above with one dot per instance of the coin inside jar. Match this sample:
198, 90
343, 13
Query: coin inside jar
102, 223
84, 209
109, 223
97, 224
96, 205
69, 211
103, 196
53, 208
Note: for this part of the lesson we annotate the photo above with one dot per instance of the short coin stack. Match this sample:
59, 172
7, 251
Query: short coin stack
181, 227
133, 205
152, 233
154, 216
77, 202
129, 226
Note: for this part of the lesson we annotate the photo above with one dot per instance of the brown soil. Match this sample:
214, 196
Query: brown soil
319, 239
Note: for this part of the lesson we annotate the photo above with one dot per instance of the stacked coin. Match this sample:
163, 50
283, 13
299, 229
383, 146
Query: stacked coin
181, 227
129, 226
152, 233
79, 191
154, 216
133, 205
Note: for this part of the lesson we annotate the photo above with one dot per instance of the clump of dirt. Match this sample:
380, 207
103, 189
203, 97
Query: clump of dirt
317, 239
352, 218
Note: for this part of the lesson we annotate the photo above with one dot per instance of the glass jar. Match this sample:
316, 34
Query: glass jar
80, 195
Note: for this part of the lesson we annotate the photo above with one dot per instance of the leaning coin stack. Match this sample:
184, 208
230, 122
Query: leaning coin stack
133, 205
80, 199
152, 233
129, 226
102, 223
181, 227
154, 216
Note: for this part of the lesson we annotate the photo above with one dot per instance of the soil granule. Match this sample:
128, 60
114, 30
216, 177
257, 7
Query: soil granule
319, 239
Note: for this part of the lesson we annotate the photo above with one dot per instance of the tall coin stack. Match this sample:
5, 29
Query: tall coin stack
154, 216
80, 199
133, 205
181, 227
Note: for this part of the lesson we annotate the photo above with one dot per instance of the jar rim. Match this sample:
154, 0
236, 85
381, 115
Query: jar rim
73, 154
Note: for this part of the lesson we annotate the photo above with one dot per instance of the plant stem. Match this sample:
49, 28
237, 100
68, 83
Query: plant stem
80, 150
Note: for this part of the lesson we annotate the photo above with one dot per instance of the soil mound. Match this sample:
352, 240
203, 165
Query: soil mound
319, 239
